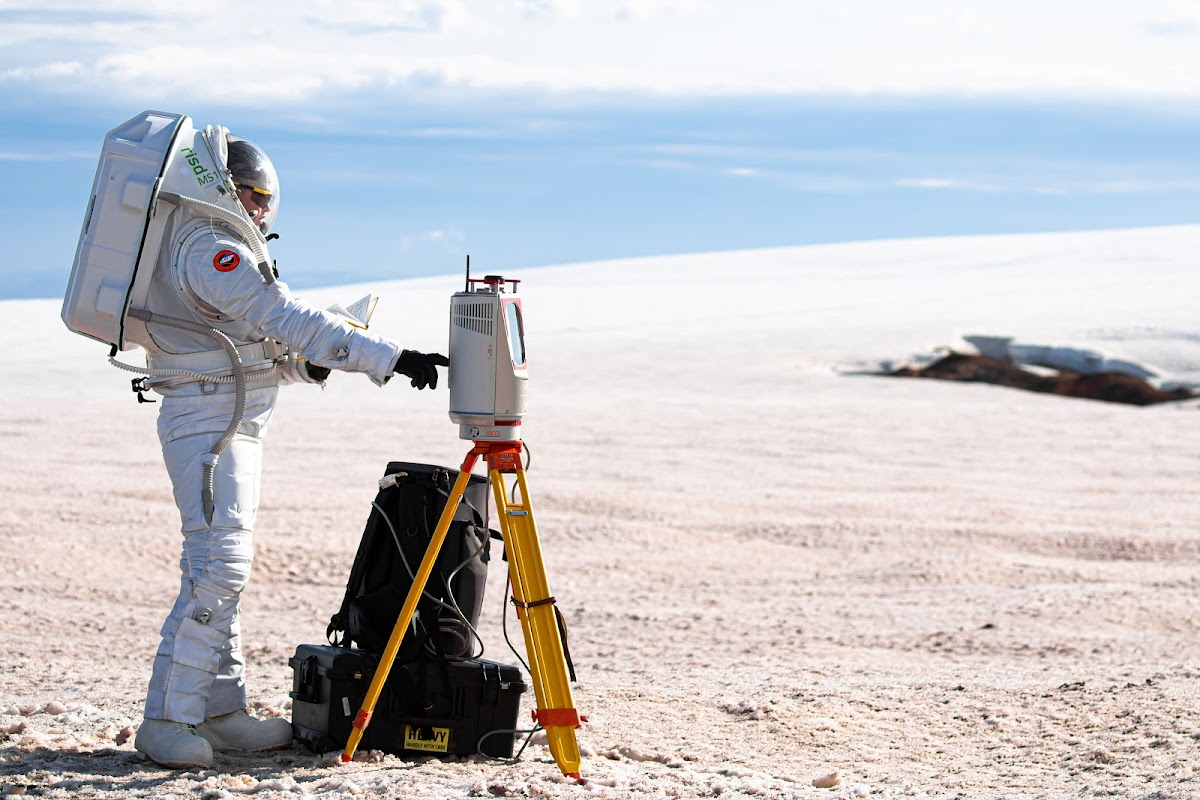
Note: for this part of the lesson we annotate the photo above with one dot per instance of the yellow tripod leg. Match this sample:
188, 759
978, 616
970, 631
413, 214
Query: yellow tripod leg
363, 719
556, 711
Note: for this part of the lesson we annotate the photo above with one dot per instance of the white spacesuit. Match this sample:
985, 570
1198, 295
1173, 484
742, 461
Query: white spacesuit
210, 292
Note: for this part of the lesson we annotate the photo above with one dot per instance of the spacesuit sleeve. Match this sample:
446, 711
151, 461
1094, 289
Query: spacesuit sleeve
223, 274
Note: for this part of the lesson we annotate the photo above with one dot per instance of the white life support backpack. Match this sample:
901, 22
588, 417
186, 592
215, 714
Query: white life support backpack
155, 157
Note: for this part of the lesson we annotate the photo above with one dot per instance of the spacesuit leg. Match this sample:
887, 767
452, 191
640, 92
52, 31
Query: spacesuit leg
162, 658
198, 670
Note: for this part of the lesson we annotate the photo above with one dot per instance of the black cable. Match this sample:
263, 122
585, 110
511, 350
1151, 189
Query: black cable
504, 624
516, 757
452, 606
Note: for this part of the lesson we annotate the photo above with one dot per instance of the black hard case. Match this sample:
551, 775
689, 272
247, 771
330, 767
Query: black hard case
428, 707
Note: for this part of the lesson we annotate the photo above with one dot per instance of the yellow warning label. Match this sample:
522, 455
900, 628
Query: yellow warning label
430, 740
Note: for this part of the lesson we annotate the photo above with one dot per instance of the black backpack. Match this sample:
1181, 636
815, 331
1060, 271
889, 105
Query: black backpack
398, 531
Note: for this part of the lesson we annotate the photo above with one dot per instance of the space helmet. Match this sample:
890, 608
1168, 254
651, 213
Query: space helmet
253, 171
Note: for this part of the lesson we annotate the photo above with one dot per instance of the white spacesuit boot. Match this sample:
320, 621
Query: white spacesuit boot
173, 744
239, 731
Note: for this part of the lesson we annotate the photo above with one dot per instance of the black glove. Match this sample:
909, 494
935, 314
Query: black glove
318, 374
421, 367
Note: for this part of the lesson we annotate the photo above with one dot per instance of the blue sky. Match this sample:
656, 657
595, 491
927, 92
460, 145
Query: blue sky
532, 132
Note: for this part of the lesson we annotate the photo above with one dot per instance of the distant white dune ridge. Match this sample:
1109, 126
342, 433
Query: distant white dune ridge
1129, 295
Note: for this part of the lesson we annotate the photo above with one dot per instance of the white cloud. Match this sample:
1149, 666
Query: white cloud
948, 183
52, 70
450, 239
1145, 186
1175, 20
1068, 186
670, 164
45, 157
283, 53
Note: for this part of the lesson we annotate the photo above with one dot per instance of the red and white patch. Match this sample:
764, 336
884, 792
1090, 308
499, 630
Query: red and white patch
226, 260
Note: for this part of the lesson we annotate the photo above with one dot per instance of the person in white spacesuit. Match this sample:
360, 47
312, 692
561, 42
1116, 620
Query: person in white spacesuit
207, 273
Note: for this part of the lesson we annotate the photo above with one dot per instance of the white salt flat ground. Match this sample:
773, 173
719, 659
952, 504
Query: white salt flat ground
772, 571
